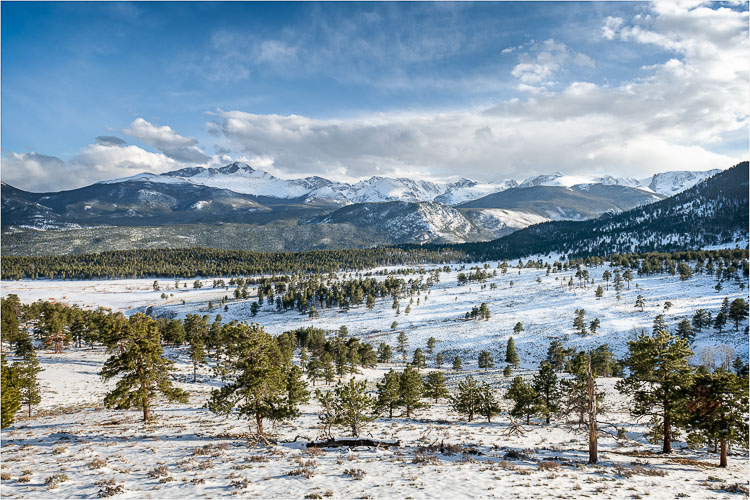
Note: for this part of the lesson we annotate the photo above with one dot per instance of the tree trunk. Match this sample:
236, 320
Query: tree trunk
29, 409
195, 372
593, 431
146, 413
667, 448
723, 456
259, 422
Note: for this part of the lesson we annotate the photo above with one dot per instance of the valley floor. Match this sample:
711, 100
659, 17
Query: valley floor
189, 452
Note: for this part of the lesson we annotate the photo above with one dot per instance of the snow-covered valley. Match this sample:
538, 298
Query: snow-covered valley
187, 451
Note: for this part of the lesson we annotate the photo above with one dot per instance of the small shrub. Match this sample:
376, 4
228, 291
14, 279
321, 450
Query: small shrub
24, 479
549, 465
97, 463
5, 476
240, 483
108, 490
158, 471
355, 473
425, 459
301, 471
54, 480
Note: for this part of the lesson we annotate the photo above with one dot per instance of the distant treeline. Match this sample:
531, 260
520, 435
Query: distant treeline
205, 262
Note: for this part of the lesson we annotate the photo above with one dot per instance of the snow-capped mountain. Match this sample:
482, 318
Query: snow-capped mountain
467, 189
669, 183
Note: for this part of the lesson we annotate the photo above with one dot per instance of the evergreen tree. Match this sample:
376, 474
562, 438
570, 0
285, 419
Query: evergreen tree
599, 292
685, 329
594, 326
659, 324
431, 343
738, 312
507, 371
410, 390
606, 276
556, 355
255, 380
384, 353
583, 399
388, 393
640, 302
439, 360
700, 320
10, 310
296, 391
511, 356
485, 360
659, 372
579, 322
547, 387
418, 360
466, 400
484, 311
717, 408
27, 382
314, 369
434, 386
488, 405
525, 399
719, 321
329, 372
402, 343
143, 370
197, 354
457, 363
518, 328
10, 394
352, 407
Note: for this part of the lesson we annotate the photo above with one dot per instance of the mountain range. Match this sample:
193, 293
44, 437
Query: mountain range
378, 210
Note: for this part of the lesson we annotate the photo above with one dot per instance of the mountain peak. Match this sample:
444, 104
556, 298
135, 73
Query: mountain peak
236, 167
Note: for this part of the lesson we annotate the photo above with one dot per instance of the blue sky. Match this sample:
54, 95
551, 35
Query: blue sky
492, 90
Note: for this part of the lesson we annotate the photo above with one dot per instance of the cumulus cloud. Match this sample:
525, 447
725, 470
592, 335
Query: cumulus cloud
167, 141
682, 113
96, 162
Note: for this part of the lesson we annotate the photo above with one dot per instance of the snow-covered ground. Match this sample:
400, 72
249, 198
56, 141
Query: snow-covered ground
546, 309
189, 452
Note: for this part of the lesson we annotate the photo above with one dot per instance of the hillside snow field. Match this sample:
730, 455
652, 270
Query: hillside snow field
186, 451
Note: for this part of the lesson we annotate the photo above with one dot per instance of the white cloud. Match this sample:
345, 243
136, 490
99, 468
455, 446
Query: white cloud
167, 141
545, 60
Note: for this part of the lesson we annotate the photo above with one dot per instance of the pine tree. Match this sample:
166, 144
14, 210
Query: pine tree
255, 380
197, 354
329, 372
606, 276
418, 359
488, 405
685, 329
439, 360
719, 321
599, 292
547, 387
525, 399
144, 370
485, 360
10, 394
431, 343
296, 391
434, 386
640, 302
518, 328
410, 390
352, 406
314, 369
507, 371
387, 389
659, 371
27, 382
579, 323
594, 326
457, 363
511, 356
402, 343
484, 311
738, 312
659, 324
717, 408
583, 398
384, 353
466, 400
556, 355
700, 320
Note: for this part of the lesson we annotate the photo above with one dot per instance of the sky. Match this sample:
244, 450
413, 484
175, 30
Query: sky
490, 91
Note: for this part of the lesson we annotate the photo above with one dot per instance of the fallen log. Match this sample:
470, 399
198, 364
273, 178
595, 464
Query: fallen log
351, 443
